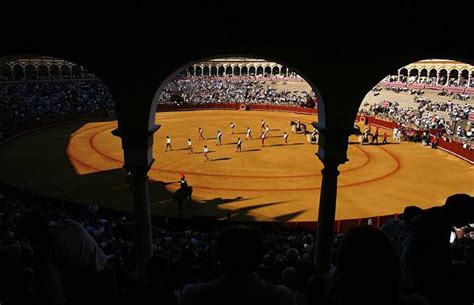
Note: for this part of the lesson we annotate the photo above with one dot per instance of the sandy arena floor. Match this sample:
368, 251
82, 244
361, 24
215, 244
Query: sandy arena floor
82, 162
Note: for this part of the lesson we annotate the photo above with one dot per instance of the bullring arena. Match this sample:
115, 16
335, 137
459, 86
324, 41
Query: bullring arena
273, 183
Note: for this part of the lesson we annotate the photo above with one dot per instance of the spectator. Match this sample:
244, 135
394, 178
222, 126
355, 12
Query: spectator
239, 250
367, 269
434, 276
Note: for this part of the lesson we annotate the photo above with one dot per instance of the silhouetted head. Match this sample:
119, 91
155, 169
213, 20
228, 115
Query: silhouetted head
288, 277
410, 212
459, 209
368, 268
239, 249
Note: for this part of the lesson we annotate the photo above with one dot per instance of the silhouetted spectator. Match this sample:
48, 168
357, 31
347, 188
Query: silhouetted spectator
403, 235
240, 251
72, 266
434, 277
367, 269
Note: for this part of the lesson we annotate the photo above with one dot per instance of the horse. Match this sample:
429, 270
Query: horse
302, 128
312, 138
183, 196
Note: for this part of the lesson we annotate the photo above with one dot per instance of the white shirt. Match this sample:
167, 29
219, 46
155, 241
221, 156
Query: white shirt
206, 149
248, 131
168, 140
239, 142
232, 125
190, 143
219, 135
285, 136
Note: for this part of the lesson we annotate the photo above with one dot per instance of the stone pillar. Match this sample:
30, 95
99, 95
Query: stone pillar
138, 180
333, 144
24, 72
138, 157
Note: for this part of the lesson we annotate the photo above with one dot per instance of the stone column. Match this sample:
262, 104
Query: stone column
138, 157
138, 180
333, 144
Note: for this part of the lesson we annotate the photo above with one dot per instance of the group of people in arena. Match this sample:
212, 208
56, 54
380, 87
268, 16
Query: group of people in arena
22, 103
264, 129
50, 254
209, 89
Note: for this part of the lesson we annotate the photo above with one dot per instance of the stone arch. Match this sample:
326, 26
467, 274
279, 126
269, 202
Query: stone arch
30, 72
275, 70
403, 75
245, 70
206, 71
65, 72
424, 72
453, 77
213, 71
443, 76
228, 70
236, 70
463, 77
268, 70
198, 70
414, 72
43, 71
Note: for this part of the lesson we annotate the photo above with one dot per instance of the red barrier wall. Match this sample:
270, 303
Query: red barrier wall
452, 147
234, 106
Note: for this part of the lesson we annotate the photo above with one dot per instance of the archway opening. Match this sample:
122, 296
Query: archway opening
239, 108
402, 119
252, 71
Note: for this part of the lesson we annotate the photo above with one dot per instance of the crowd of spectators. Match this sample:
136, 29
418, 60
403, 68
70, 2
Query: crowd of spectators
87, 256
23, 103
209, 89
427, 114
